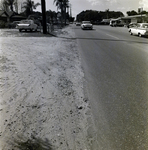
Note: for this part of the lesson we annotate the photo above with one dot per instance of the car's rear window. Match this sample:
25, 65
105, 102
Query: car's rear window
145, 26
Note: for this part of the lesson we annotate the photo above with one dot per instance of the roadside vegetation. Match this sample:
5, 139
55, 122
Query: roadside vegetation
97, 16
62, 16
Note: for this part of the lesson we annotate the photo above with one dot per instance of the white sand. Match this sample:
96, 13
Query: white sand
41, 92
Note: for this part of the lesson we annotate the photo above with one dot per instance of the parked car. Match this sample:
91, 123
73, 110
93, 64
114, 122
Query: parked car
13, 24
131, 25
27, 25
116, 23
141, 29
86, 25
78, 24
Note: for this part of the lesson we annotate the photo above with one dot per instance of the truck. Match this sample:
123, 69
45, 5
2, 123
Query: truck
116, 22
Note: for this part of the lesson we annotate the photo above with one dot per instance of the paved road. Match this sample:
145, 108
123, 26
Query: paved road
116, 73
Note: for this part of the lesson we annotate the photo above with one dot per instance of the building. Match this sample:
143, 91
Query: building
135, 19
7, 17
123, 21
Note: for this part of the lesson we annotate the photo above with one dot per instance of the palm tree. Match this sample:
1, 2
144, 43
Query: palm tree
8, 3
65, 5
3, 6
62, 5
107, 13
29, 5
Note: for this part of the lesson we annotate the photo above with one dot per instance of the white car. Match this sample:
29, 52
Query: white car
141, 29
86, 25
27, 25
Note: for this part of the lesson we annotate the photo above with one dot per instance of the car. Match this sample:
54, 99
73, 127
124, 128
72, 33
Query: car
86, 25
27, 25
131, 25
141, 29
78, 23
116, 23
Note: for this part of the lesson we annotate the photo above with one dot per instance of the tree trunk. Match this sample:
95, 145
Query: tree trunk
65, 15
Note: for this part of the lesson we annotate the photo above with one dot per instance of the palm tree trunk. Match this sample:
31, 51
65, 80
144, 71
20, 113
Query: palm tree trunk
61, 15
65, 15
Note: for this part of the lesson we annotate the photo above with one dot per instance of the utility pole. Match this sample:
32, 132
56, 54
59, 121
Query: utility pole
44, 16
140, 10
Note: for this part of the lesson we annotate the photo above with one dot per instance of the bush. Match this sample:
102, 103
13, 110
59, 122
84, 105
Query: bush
2, 24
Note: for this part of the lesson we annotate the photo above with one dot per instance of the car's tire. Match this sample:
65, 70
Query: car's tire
20, 30
139, 34
131, 33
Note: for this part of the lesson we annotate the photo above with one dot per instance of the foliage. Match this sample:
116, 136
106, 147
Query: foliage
29, 5
51, 16
131, 13
10, 3
97, 16
7, 5
62, 5
2, 24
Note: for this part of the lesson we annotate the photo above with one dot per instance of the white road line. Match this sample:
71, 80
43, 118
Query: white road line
112, 36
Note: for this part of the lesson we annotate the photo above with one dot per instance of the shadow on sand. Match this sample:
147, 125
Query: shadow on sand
22, 143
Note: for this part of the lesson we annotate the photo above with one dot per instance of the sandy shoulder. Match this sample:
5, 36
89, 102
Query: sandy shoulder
42, 93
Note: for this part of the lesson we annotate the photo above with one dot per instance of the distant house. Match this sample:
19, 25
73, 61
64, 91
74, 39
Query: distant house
17, 17
128, 19
9, 16
3, 15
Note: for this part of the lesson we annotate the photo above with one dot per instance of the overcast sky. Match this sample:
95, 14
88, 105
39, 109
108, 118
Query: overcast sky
100, 5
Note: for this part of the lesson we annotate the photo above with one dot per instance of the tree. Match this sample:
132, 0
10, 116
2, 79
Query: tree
8, 5
65, 5
131, 13
98, 16
3, 6
51, 16
29, 5
62, 5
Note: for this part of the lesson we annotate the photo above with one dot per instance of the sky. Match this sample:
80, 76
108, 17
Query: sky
99, 5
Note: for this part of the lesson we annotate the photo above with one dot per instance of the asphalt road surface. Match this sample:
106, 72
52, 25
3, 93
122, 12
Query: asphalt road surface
116, 72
